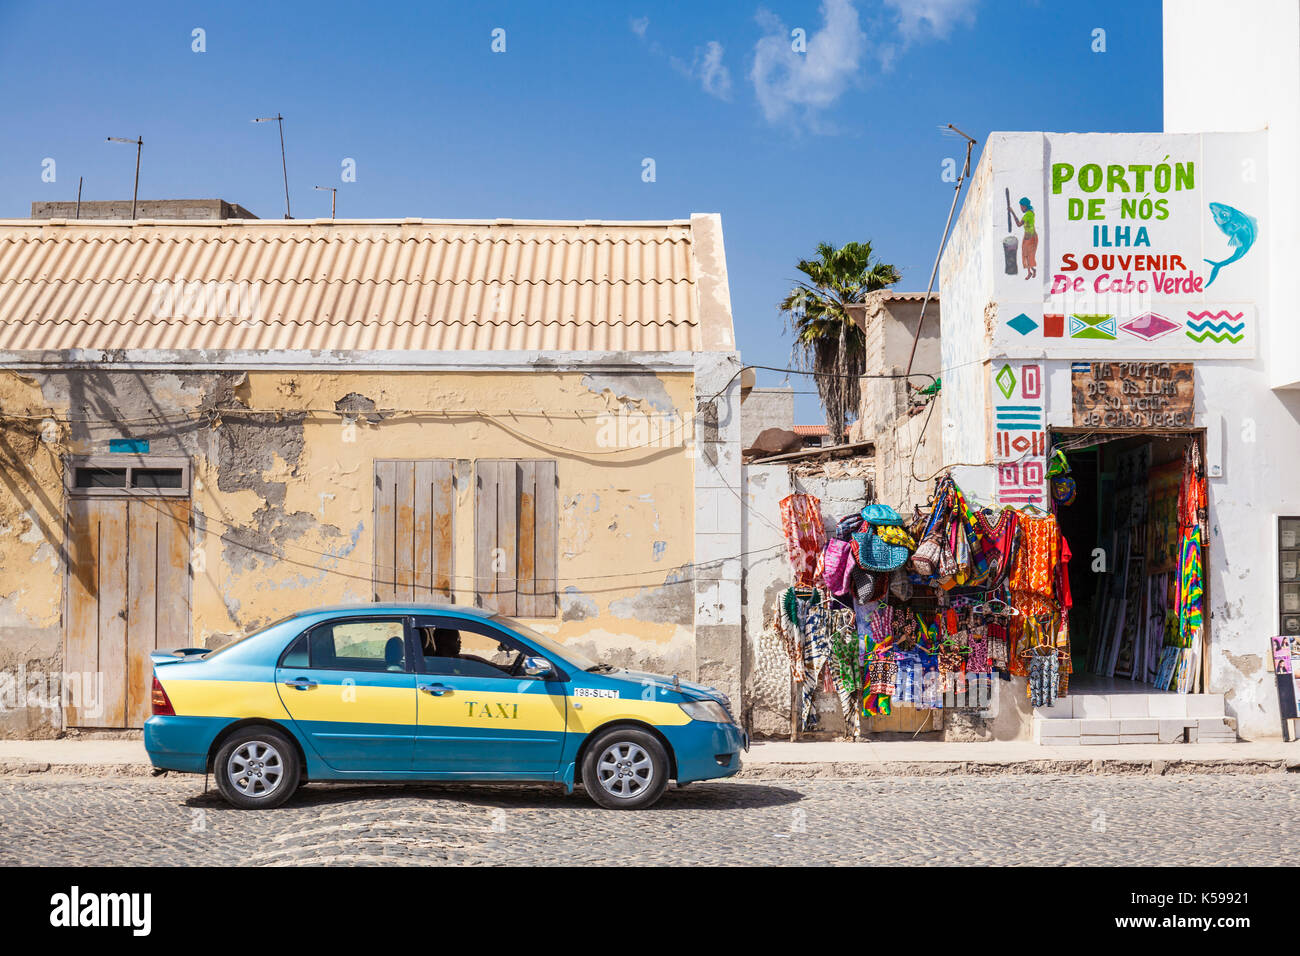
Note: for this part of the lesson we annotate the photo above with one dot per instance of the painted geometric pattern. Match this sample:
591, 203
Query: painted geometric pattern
1019, 434
1202, 326
1022, 324
1149, 326
1093, 327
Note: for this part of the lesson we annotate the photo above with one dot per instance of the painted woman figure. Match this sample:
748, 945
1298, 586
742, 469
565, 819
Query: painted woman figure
1028, 245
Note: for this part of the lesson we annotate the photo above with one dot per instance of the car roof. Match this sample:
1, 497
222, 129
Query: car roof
401, 607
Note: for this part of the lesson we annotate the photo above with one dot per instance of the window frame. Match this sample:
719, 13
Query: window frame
479, 625
408, 643
128, 463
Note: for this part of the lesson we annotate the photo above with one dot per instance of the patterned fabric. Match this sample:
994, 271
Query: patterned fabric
997, 539
882, 675
817, 652
909, 678
1034, 568
1029, 628
805, 536
845, 666
1191, 589
891, 534
787, 628
1043, 674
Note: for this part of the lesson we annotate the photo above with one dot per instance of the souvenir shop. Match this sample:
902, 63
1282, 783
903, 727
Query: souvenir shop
929, 612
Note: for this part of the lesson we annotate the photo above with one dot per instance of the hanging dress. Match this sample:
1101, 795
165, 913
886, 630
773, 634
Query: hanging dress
805, 537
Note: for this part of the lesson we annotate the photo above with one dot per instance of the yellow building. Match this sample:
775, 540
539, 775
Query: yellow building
207, 425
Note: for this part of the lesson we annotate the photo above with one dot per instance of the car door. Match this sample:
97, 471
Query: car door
349, 685
476, 714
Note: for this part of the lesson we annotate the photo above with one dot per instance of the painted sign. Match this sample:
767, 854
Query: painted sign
1018, 400
1143, 245
1133, 395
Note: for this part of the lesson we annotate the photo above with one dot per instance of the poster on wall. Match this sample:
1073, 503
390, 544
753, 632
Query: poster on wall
1112, 245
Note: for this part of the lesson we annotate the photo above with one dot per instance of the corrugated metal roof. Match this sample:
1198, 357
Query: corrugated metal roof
349, 285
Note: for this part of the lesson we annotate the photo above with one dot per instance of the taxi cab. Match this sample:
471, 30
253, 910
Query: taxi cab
410, 692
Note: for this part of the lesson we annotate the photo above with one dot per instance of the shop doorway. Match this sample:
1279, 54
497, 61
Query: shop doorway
1119, 508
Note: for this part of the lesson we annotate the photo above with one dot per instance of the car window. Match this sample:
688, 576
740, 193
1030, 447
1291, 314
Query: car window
371, 645
467, 650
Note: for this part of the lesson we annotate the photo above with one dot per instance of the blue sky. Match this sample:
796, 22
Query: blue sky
837, 143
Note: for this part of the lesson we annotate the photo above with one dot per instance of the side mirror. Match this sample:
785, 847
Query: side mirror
538, 667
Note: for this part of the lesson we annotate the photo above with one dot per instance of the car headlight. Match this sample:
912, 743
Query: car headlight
709, 710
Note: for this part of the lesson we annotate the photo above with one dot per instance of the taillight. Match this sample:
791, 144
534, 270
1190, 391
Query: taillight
162, 707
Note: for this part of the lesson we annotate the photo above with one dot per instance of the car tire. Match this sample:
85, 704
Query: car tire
257, 768
625, 769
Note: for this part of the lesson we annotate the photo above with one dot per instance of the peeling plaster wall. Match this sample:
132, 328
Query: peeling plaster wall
282, 505
768, 574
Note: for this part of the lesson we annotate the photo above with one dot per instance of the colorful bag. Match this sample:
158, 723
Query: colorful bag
867, 587
845, 527
925, 560
881, 515
877, 554
838, 566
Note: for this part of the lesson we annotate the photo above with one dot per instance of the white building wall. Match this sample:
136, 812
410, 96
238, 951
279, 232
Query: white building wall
1236, 67
1253, 429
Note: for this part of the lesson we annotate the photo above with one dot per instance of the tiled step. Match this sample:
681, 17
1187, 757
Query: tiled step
1134, 719
1161, 706
1063, 732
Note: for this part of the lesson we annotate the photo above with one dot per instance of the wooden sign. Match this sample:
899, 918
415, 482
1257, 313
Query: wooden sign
1133, 394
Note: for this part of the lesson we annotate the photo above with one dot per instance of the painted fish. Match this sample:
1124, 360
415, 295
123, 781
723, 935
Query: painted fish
1240, 229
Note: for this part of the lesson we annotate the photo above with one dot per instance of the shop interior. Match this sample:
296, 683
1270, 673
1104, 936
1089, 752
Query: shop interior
1118, 504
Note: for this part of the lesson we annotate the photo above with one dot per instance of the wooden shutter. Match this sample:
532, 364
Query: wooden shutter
515, 520
415, 508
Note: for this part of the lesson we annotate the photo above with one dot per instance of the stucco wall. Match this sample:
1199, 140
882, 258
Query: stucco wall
908, 448
282, 494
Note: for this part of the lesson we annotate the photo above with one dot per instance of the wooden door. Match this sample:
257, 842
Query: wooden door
128, 594
415, 506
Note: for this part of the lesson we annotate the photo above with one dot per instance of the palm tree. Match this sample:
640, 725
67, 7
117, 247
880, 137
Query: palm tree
827, 342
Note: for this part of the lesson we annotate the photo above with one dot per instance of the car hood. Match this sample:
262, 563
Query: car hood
689, 689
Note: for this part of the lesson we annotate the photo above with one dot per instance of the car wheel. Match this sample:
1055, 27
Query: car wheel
625, 769
257, 768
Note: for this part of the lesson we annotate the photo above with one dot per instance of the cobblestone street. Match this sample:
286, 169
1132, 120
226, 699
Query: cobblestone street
1053, 820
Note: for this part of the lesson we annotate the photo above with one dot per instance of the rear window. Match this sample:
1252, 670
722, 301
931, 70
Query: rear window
351, 645
239, 640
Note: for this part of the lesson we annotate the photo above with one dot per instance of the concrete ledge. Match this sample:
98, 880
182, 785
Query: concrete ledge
784, 760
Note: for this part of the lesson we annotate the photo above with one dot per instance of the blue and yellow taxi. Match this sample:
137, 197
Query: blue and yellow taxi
411, 692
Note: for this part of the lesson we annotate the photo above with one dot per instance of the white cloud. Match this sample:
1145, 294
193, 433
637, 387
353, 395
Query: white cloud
920, 19
708, 69
786, 81
639, 26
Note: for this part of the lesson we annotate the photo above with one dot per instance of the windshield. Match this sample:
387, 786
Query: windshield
563, 651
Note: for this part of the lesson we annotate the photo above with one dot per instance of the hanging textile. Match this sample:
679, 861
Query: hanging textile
1034, 569
1191, 588
805, 537
1043, 674
846, 669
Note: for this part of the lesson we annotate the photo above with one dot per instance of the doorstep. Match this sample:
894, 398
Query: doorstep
1093, 720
